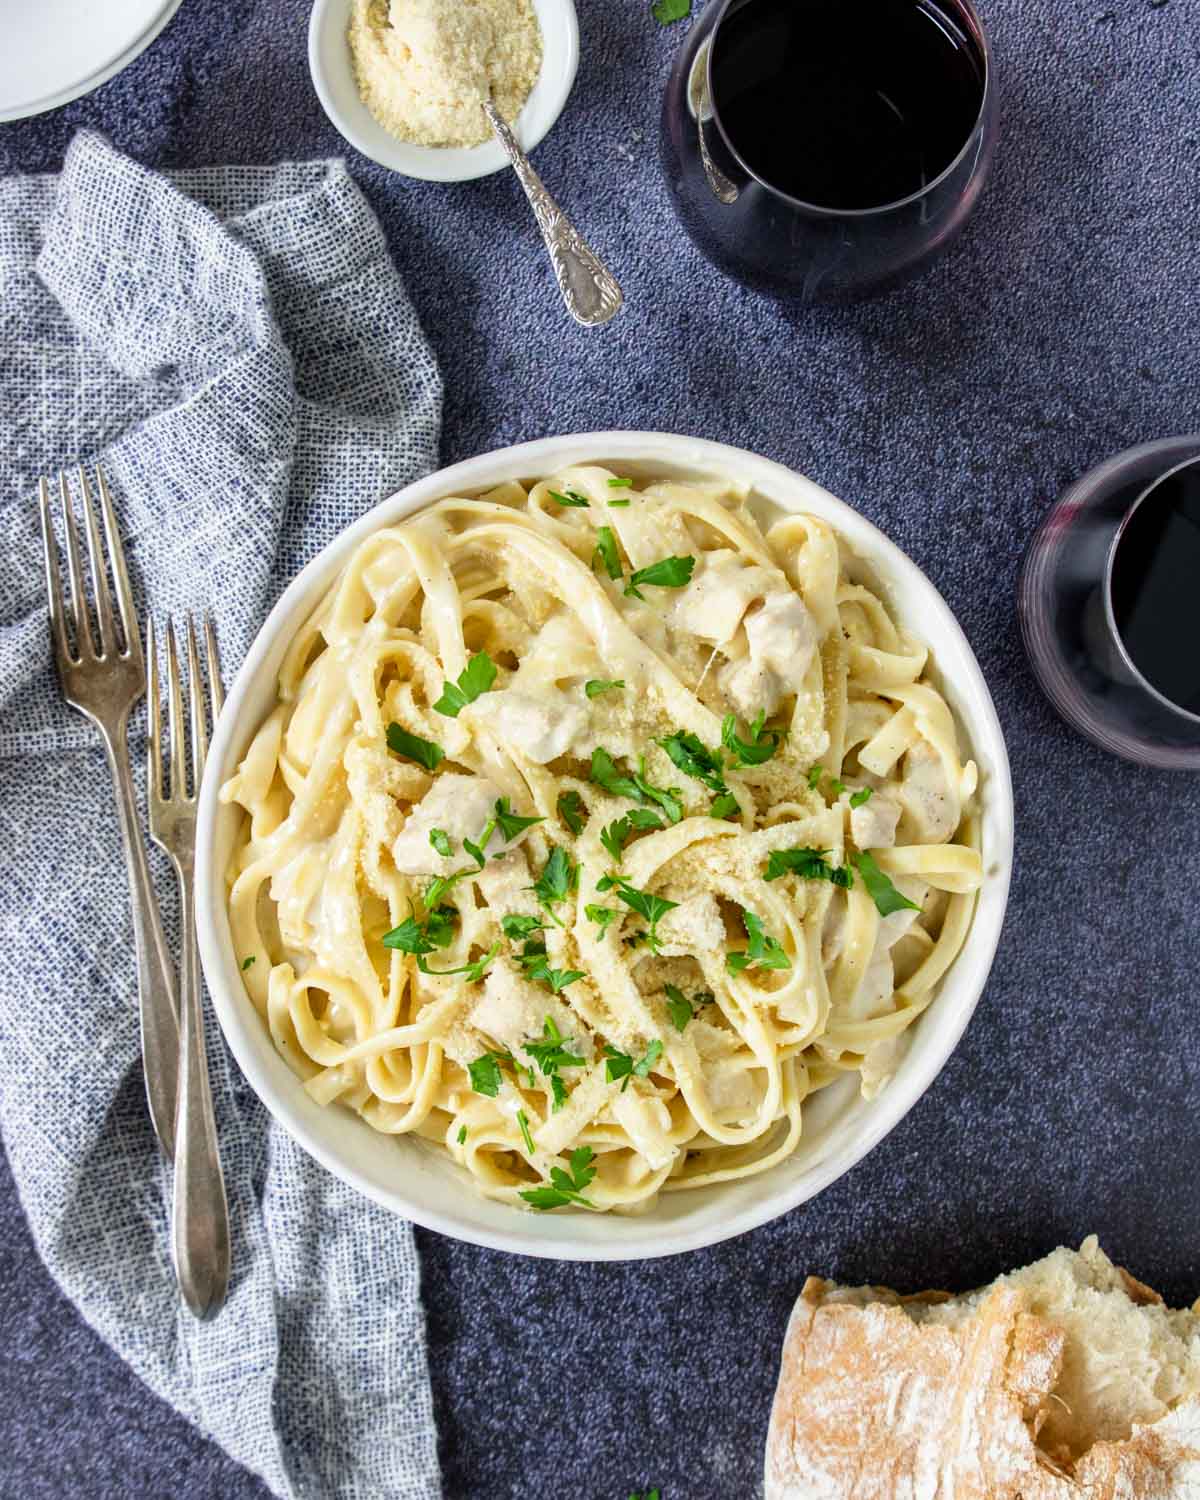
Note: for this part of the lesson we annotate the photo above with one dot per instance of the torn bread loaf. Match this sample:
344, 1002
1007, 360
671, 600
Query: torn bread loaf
1068, 1380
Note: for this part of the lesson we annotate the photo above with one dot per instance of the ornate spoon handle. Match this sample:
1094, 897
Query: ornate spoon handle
588, 287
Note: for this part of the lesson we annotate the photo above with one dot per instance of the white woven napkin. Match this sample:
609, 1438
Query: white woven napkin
235, 347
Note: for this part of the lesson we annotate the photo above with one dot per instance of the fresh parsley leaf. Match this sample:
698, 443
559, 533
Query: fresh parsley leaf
409, 937
557, 979
474, 971
413, 747
760, 747
478, 677
862, 796
693, 757
439, 926
647, 905
606, 551
523, 1122
761, 949
551, 1053
604, 773
838, 786
510, 824
615, 836
485, 1074
668, 798
515, 927
476, 850
724, 806
620, 484
667, 573
886, 897
462, 1134
618, 504
440, 840
598, 685
814, 777
621, 1065
664, 12
571, 810
602, 916
809, 864
681, 1010
570, 498
246, 962
559, 877
568, 1187
559, 1091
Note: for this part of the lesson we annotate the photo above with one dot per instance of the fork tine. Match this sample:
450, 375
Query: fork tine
175, 718
116, 553
154, 766
100, 590
216, 686
58, 624
79, 614
197, 707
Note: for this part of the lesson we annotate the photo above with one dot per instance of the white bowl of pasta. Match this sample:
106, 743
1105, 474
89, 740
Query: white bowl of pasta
604, 844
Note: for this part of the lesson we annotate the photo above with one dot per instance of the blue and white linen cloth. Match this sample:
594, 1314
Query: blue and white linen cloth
236, 348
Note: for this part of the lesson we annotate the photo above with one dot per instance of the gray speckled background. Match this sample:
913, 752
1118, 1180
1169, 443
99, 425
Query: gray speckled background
1061, 328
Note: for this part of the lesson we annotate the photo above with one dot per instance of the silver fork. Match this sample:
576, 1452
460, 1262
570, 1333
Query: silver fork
200, 1214
104, 684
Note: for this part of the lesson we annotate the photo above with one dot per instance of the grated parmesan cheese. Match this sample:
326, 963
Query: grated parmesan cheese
422, 66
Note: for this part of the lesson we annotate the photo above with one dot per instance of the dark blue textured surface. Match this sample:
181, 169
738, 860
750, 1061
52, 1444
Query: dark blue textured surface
1062, 327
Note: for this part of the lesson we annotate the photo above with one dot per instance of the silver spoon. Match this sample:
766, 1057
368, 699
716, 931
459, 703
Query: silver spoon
587, 285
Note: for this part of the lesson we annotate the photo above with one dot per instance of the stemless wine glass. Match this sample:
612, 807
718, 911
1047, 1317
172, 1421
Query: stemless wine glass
812, 251
1069, 618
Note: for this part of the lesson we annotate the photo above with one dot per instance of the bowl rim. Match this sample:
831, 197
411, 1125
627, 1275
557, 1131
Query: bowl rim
361, 130
241, 1024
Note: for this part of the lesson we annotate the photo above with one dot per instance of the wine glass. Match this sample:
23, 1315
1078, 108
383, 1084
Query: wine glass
866, 226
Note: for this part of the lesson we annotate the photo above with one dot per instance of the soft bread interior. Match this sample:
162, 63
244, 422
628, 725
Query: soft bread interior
1127, 1358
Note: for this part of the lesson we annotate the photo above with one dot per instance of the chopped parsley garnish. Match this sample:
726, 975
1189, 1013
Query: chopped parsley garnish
515, 927
724, 806
693, 757
486, 1077
617, 834
604, 773
462, 1134
598, 685
558, 1090
667, 573
419, 938
476, 850
510, 823
838, 786
814, 777
478, 677
655, 1494
682, 1010
537, 966
620, 484
606, 551
618, 504
246, 962
440, 840
571, 810
602, 916
566, 1187
572, 499
620, 1065
523, 1122
760, 747
664, 12
559, 877
647, 905
762, 950
862, 796
551, 1053
809, 864
413, 747
474, 971
886, 897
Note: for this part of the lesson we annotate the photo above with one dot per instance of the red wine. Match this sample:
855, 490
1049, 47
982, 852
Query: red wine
846, 106
1156, 588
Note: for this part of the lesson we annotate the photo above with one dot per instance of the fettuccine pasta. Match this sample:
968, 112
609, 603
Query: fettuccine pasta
596, 827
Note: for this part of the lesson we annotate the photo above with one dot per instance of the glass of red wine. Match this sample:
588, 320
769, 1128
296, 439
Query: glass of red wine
828, 148
1108, 604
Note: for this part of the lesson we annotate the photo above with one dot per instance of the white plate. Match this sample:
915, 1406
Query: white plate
423, 1184
55, 50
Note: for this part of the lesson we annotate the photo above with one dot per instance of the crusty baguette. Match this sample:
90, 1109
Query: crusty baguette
1066, 1381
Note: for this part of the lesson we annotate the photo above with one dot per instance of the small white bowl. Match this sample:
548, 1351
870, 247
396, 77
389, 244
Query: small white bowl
419, 1182
333, 78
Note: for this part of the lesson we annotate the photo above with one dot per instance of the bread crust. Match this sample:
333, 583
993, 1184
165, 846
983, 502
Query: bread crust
872, 1406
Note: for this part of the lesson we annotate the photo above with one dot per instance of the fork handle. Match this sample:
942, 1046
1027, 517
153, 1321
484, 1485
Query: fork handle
156, 987
201, 1213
